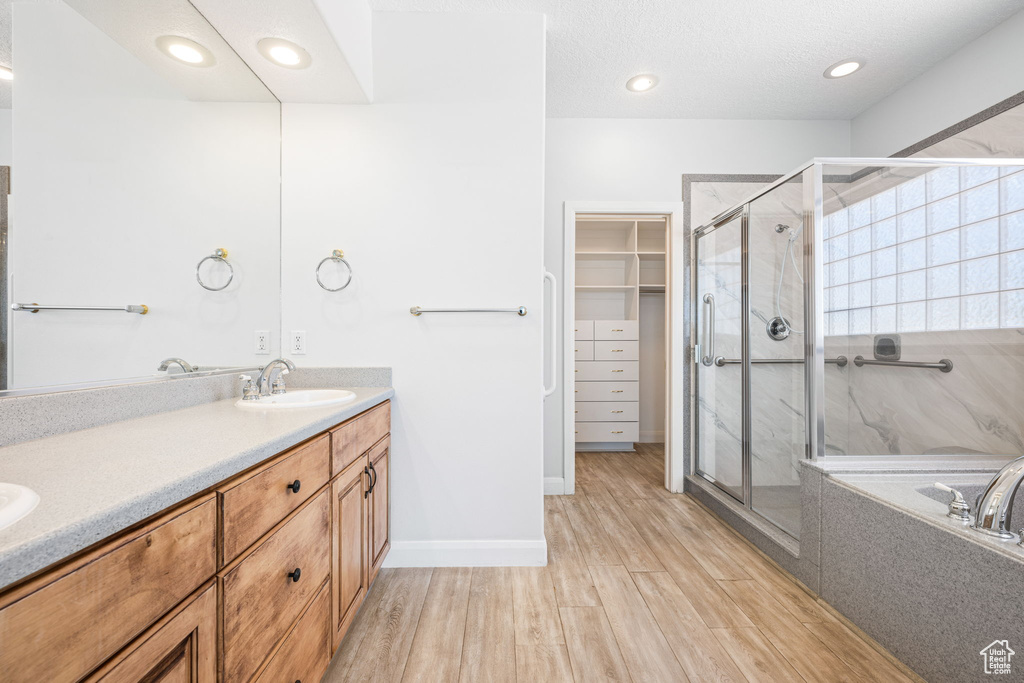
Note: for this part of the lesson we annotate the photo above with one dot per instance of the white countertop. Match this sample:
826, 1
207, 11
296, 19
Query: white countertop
95, 482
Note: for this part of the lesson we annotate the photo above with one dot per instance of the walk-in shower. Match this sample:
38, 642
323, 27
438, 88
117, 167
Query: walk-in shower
881, 298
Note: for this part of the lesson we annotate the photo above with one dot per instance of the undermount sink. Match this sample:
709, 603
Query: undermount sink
15, 502
307, 398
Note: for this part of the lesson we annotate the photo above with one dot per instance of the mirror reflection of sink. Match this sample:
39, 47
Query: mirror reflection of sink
15, 502
307, 398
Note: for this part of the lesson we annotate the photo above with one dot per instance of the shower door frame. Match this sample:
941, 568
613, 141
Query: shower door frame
814, 340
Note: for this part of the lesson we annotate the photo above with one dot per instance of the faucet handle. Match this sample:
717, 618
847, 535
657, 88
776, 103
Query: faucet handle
249, 391
278, 386
958, 507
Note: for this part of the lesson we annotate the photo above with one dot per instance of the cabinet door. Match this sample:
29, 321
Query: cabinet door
349, 548
380, 538
181, 648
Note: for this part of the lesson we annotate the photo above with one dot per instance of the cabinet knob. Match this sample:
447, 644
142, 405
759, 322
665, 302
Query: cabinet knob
294, 576
294, 486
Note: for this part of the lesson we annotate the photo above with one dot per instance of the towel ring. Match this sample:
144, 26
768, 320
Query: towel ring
218, 255
339, 256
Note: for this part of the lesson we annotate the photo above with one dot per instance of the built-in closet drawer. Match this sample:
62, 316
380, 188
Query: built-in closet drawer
615, 330
616, 350
306, 652
584, 350
607, 431
264, 592
596, 371
584, 330
252, 504
607, 391
618, 411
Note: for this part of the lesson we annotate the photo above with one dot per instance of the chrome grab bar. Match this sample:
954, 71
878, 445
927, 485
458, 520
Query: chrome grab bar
141, 309
709, 299
945, 365
416, 310
841, 361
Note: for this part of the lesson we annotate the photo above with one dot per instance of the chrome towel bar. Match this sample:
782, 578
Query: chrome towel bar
841, 361
416, 310
141, 309
945, 365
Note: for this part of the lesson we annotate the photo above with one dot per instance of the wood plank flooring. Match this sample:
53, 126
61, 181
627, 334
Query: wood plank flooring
641, 585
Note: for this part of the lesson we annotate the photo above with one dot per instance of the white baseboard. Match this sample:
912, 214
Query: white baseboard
467, 554
554, 486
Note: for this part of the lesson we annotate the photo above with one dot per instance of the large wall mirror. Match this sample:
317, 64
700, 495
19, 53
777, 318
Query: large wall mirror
138, 144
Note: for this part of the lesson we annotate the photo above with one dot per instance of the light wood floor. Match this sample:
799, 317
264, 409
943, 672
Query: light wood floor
641, 585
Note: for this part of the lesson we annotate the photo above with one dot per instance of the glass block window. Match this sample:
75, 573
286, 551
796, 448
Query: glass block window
944, 251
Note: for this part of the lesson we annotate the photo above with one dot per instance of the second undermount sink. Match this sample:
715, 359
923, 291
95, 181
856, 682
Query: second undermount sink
15, 502
304, 398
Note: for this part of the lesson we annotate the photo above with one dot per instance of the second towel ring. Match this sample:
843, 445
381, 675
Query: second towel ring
339, 256
218, 255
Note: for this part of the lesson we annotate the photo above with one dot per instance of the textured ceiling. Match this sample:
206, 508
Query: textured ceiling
737, 59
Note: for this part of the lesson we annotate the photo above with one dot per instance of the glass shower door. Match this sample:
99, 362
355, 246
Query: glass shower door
777, 406
719, 283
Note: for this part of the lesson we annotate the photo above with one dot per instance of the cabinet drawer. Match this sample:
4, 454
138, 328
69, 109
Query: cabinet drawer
604, 432
584, 330
306, 652
584, 350
616, 350
356, 436
616, 330
611, 411
259, 600
628, 370
74, 619
254, 503
607, 391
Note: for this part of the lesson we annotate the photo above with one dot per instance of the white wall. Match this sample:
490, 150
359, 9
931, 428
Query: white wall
644, 160
979, 75
121, 186
435, 192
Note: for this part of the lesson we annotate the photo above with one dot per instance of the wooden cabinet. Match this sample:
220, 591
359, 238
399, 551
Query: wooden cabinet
267, 588
379, 508
349, 495
257, 579
63, 625
181, 647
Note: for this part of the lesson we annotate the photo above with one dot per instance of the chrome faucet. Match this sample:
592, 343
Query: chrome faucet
268, 369
996, 503
168, 362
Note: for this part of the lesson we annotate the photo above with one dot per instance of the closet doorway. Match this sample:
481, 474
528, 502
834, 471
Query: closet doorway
624, 295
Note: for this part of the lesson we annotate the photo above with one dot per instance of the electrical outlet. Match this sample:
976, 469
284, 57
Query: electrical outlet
298, 342
262, 342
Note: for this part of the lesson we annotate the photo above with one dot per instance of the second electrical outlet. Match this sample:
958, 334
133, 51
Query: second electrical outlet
298, 344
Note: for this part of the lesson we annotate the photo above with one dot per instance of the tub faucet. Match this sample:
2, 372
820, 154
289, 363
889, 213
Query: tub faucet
168, 362
267, 371
996, 503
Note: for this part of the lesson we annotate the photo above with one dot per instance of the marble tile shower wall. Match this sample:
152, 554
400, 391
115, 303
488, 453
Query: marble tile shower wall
943, 251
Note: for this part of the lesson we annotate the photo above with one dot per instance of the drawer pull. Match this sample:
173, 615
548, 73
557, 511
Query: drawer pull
616, 350
616, 411
294, 576
617, 391
618, 432
294, 486
616, 330
616, 370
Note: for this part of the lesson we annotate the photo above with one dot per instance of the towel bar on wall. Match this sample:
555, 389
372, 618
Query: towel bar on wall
141, 309
945, 365
417, 310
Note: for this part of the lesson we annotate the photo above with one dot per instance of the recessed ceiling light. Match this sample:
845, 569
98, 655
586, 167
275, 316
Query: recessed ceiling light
6, 74
642, 82
184, 50
284, 53
843, 68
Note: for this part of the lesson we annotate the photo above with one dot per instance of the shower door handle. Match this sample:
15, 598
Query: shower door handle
709, 348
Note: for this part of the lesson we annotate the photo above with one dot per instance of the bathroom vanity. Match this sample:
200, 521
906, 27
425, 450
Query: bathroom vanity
254, 578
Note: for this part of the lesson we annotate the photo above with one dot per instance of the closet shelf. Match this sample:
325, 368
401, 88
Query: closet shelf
605, 288
651, 289
641, 254
605, 253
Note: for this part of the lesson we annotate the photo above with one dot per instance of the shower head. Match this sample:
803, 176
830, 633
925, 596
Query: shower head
793, 234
